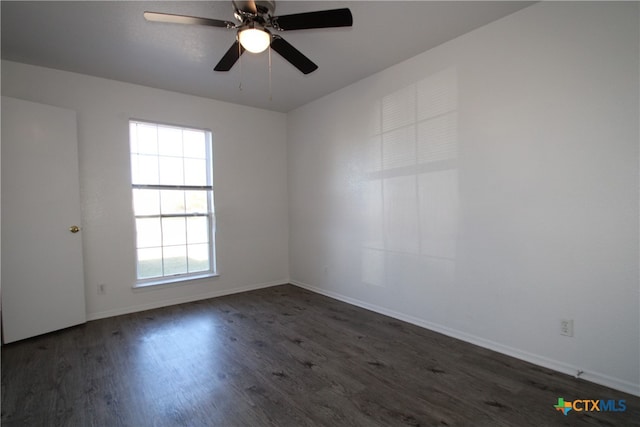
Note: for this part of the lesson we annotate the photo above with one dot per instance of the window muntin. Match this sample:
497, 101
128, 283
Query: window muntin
172, 191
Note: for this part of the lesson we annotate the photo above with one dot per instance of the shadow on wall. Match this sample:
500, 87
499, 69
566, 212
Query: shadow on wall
411, 195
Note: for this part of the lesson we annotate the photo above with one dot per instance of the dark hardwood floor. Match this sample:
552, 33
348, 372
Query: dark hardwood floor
280, 356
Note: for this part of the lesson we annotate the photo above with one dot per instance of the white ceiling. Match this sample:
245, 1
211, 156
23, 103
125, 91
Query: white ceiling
112, 40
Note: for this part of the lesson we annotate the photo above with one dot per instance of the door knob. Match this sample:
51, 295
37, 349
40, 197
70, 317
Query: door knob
74, 229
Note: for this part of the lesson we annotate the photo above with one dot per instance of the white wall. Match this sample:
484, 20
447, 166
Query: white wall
486, 189
249, 180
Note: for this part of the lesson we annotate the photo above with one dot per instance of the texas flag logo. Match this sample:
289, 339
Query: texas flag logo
563, 406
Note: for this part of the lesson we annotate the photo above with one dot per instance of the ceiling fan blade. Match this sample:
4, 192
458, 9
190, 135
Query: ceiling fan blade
293, 55
183, 19
319, 19
230, 58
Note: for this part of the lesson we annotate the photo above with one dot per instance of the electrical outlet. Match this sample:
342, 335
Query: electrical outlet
102, 289
566, 327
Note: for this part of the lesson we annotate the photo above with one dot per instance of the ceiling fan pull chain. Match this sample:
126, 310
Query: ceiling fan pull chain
240, 57
270, 91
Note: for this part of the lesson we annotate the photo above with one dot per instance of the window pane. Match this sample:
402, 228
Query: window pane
146, 202
148, 232
135, 169
194, 144
169, 141
172, 201
175, 260
144, 169
195, 172
198, 257
196, 201
147, 139
149, 263
171, 172
174, 231
197, 230
133, 138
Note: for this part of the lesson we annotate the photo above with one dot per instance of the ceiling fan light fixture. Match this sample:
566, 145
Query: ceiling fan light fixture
254, 39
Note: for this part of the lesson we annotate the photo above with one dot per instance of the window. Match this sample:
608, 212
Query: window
171, 177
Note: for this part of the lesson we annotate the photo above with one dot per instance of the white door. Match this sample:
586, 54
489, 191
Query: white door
42, 272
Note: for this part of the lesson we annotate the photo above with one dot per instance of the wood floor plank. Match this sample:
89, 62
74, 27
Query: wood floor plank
280, 356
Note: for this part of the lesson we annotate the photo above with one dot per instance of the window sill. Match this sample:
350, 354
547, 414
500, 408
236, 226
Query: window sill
168, 282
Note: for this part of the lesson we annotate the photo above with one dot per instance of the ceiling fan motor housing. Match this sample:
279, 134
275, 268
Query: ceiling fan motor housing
262, 7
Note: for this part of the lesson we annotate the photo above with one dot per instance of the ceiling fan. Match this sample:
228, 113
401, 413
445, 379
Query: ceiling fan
256, 26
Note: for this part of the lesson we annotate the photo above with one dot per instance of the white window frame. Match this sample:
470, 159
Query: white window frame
165, 279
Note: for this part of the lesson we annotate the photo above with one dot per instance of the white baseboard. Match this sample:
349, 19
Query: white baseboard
181, 300
595, 377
